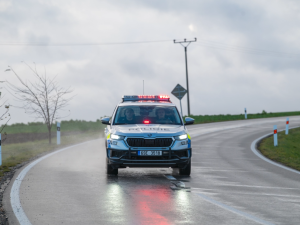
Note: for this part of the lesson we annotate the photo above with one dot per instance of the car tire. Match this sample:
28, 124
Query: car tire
187, 170
110, 170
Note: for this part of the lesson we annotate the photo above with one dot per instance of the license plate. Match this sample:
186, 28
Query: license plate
149, 153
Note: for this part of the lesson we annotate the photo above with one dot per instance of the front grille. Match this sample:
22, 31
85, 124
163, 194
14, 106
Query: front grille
141, 142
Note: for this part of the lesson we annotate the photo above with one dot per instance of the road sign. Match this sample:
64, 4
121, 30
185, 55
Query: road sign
179, 91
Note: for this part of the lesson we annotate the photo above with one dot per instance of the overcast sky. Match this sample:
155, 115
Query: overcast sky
247, 53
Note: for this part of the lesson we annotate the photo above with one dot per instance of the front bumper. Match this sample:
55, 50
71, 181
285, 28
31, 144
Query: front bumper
129, 158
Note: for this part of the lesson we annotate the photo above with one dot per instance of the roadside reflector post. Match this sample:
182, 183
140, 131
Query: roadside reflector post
245, 113
58, 133
275, 136
287, 126
0, 151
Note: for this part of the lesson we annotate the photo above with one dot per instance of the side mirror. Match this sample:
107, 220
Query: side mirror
189, 121
105, 120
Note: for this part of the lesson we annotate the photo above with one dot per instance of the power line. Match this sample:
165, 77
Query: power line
243, 49
80, 44
201, 42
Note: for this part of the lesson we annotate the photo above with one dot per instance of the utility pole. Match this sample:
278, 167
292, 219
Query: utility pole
185, 44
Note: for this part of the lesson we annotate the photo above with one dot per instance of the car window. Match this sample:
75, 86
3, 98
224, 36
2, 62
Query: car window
141, 114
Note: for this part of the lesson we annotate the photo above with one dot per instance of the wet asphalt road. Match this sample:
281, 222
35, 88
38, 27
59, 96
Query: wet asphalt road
229, 184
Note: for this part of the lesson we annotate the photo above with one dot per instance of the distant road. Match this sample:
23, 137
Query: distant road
229, 184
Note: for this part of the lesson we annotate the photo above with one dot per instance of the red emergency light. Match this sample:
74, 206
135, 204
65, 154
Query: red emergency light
146, 121
165, 98
146, 96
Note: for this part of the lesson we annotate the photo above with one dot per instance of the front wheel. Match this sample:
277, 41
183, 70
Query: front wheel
187, 170
109, 169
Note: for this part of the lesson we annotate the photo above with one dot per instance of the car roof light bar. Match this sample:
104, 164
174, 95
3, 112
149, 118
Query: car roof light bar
146, 97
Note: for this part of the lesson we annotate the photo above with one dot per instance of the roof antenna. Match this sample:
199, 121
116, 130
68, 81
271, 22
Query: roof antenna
143, 87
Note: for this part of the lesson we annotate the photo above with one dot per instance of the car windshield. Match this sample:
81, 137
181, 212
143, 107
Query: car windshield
144, 114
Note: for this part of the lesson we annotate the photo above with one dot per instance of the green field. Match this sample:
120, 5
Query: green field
288, 150
219, 118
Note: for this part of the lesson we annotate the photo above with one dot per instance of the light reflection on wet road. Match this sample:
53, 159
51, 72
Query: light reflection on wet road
146, 197
228, 185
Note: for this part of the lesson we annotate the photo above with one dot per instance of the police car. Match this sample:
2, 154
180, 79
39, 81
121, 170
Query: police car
147, 131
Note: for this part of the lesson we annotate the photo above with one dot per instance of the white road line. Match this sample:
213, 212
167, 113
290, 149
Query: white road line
289, 200
236, 171
264, 194
219, 146
256, 152
252, 186
248, 193
220, 158
233, 210
15, 190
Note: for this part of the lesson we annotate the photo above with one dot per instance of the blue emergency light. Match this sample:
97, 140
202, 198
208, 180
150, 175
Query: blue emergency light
165, 98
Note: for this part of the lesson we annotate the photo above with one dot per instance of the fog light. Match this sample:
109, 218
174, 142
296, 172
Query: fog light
184, 142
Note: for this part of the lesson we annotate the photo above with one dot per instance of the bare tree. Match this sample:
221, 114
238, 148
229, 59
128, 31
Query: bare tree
4, 117
43, 98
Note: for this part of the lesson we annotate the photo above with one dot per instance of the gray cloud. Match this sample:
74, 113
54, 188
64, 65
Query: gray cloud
234, 64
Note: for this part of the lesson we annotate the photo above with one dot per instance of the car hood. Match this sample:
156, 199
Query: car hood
149, 131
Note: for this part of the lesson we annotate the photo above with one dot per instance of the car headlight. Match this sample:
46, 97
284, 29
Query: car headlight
181, 137
116, 137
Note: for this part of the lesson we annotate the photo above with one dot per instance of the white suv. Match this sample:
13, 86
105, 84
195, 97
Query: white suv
147, 131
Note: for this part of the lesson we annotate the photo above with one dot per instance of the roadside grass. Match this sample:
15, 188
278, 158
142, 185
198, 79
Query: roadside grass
220, 118
14, 154
288, 150
39, 127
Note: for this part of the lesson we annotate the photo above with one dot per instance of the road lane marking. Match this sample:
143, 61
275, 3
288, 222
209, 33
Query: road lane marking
15, 190
289, 200
246, 193
267, 187
253, 186
256, 152
236, 171
218, 146
219, 158
233, 210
